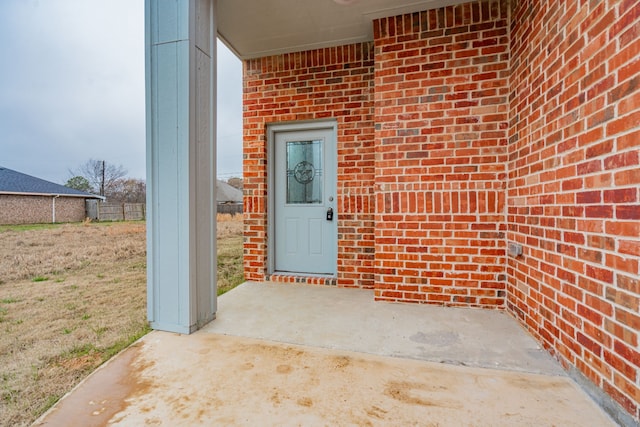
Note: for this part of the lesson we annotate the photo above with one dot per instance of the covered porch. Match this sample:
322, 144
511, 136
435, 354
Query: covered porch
484, 154
291, 354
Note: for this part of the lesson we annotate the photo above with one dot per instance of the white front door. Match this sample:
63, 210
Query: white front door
305, 214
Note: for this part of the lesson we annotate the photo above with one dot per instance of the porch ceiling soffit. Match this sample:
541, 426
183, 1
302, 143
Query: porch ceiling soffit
257, 28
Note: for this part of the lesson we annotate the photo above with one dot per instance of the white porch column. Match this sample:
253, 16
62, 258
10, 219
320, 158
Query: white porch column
180, 85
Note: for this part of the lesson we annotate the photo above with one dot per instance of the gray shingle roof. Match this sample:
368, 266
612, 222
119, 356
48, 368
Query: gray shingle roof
227, 193
15, 182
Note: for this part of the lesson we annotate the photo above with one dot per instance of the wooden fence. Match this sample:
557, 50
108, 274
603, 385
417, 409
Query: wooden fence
230, 208
115, 211
98, 211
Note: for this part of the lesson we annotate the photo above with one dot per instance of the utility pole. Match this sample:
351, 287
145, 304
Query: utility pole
102, 181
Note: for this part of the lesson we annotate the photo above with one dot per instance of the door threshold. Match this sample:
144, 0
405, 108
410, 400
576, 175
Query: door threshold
305, 278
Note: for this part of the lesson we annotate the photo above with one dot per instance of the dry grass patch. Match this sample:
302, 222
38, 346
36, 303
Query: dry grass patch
72, 296
230, 268
228, 225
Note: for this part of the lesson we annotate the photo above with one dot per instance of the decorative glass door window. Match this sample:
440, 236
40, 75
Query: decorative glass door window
304, 172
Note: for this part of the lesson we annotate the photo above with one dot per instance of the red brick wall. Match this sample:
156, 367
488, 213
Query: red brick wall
441, 106
334, 83
573, 188
484, 134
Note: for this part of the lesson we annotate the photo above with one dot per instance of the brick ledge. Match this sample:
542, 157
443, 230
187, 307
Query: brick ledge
301, 278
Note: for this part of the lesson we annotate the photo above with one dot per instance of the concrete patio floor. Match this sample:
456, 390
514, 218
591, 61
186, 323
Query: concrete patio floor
283, 354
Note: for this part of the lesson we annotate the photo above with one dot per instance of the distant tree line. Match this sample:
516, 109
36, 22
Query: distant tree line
108, 180
236, 182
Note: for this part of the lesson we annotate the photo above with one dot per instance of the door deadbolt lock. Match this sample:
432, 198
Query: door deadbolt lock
330, 214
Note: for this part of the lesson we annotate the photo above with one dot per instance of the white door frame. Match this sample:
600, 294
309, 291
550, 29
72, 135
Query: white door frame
272, 129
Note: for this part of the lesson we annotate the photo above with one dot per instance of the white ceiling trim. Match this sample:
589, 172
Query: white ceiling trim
257, 28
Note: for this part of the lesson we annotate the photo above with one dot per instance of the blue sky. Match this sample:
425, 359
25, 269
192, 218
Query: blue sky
72, 88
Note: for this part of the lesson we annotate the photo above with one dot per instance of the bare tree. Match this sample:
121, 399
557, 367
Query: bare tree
236, 182
102, 176
129, 190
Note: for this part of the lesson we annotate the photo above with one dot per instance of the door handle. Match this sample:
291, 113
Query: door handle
330, 214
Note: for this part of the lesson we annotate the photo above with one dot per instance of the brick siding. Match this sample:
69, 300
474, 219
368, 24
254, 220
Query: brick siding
491, 123
333, 83
16, 209
573, 188
441, 82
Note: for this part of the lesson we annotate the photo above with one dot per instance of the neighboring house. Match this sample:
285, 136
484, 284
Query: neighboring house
25, 199
229, 198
